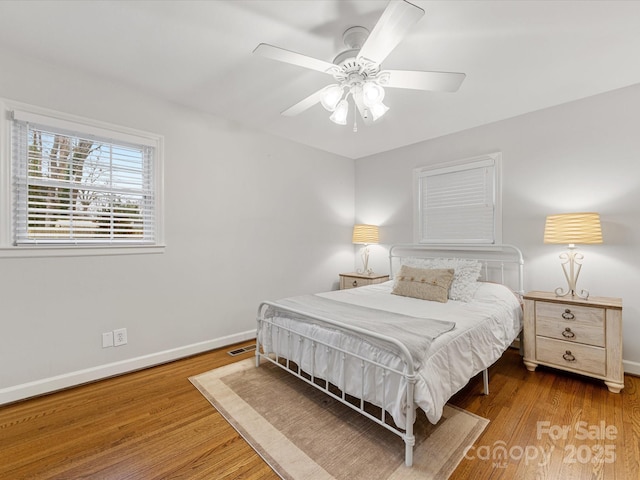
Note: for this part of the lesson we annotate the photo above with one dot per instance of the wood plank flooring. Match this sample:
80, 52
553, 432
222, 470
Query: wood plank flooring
153, 424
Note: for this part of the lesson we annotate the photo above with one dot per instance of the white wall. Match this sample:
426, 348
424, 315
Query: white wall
581, 156
248, 217
267, 218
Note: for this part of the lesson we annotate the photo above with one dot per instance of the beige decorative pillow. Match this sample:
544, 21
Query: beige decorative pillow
465, 277
426, 284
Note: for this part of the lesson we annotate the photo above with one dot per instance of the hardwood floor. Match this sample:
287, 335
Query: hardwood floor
154, 424
151, 424
553, 425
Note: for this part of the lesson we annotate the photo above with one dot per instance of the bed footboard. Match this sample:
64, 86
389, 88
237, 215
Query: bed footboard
284, 353
319, 350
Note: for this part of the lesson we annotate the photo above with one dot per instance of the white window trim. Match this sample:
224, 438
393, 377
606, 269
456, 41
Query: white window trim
7, 249
470, 163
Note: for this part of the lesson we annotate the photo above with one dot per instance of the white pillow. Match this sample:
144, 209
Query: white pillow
465, 278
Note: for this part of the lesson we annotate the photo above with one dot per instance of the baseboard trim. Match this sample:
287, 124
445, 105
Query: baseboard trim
632, 368
72, 379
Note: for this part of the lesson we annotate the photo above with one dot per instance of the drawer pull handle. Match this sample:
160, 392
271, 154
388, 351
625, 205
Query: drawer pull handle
569, 357
355, 283
568, 333
567, 315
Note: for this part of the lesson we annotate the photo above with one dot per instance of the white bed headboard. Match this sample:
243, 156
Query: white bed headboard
500, 263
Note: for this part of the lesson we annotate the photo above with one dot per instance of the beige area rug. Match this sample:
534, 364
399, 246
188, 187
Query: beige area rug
304, 434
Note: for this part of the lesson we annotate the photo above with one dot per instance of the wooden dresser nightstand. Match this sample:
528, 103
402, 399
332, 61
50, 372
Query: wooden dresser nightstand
353, 280
576, 335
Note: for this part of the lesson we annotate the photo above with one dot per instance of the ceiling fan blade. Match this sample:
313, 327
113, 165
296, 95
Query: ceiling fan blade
393, 25
304, 104
287, 56
417, 80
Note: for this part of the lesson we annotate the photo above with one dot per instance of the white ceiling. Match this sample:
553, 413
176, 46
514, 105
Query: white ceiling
519, 56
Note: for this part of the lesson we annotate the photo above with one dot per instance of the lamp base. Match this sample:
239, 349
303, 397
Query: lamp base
584, 294
570, 260
368, 271
365, 262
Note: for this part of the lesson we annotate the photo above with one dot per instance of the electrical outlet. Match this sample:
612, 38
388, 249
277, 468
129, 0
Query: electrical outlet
119, 337
107, 339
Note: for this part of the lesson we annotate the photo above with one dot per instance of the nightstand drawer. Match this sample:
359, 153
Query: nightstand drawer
355, 280
571, 332
570, 313
572, 356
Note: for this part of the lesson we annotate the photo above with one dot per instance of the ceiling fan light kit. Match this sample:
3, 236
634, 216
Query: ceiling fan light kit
373, 93
357, 69
339, 116
331, 96
378, 110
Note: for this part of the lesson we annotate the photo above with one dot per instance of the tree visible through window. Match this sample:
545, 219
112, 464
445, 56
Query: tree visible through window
73, 188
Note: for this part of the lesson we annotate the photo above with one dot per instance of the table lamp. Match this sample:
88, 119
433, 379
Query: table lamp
366, 235
572, 229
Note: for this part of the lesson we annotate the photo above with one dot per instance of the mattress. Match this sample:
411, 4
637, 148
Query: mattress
484, 328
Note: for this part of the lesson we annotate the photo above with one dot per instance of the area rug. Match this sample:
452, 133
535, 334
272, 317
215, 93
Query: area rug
304, 434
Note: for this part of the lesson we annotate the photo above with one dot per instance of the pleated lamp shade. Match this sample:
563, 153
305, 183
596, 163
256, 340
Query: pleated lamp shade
572, 228
367, 234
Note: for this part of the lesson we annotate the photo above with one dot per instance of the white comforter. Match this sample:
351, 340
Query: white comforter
484, 328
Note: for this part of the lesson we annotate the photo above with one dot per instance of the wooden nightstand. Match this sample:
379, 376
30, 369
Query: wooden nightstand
353, 280
576, 335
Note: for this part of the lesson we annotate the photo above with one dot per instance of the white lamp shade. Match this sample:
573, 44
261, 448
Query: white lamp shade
331, 95
378, 110
339, 115
372, 94
572, 228
366, 234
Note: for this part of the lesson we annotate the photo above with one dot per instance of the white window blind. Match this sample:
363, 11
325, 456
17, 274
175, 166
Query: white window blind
459, 203
75, 185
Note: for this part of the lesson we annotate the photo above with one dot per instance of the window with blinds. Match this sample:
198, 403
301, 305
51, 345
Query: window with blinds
77, 184
459, 202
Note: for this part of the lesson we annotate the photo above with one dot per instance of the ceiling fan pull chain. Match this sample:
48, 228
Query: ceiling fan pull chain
355, 122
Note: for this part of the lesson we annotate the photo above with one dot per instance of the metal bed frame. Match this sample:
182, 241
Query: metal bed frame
497, 261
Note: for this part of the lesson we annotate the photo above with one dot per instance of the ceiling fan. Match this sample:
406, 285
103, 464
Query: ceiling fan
357, 70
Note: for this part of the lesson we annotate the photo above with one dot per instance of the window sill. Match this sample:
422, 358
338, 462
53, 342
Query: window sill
78, 251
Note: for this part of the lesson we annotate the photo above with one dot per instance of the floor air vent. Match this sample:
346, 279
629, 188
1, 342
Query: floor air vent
242, 350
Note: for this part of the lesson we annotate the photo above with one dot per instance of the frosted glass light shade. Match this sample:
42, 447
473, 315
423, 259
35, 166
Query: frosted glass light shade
372, 94
378, 110
331, 95
573, 228
339, 115
367, 234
